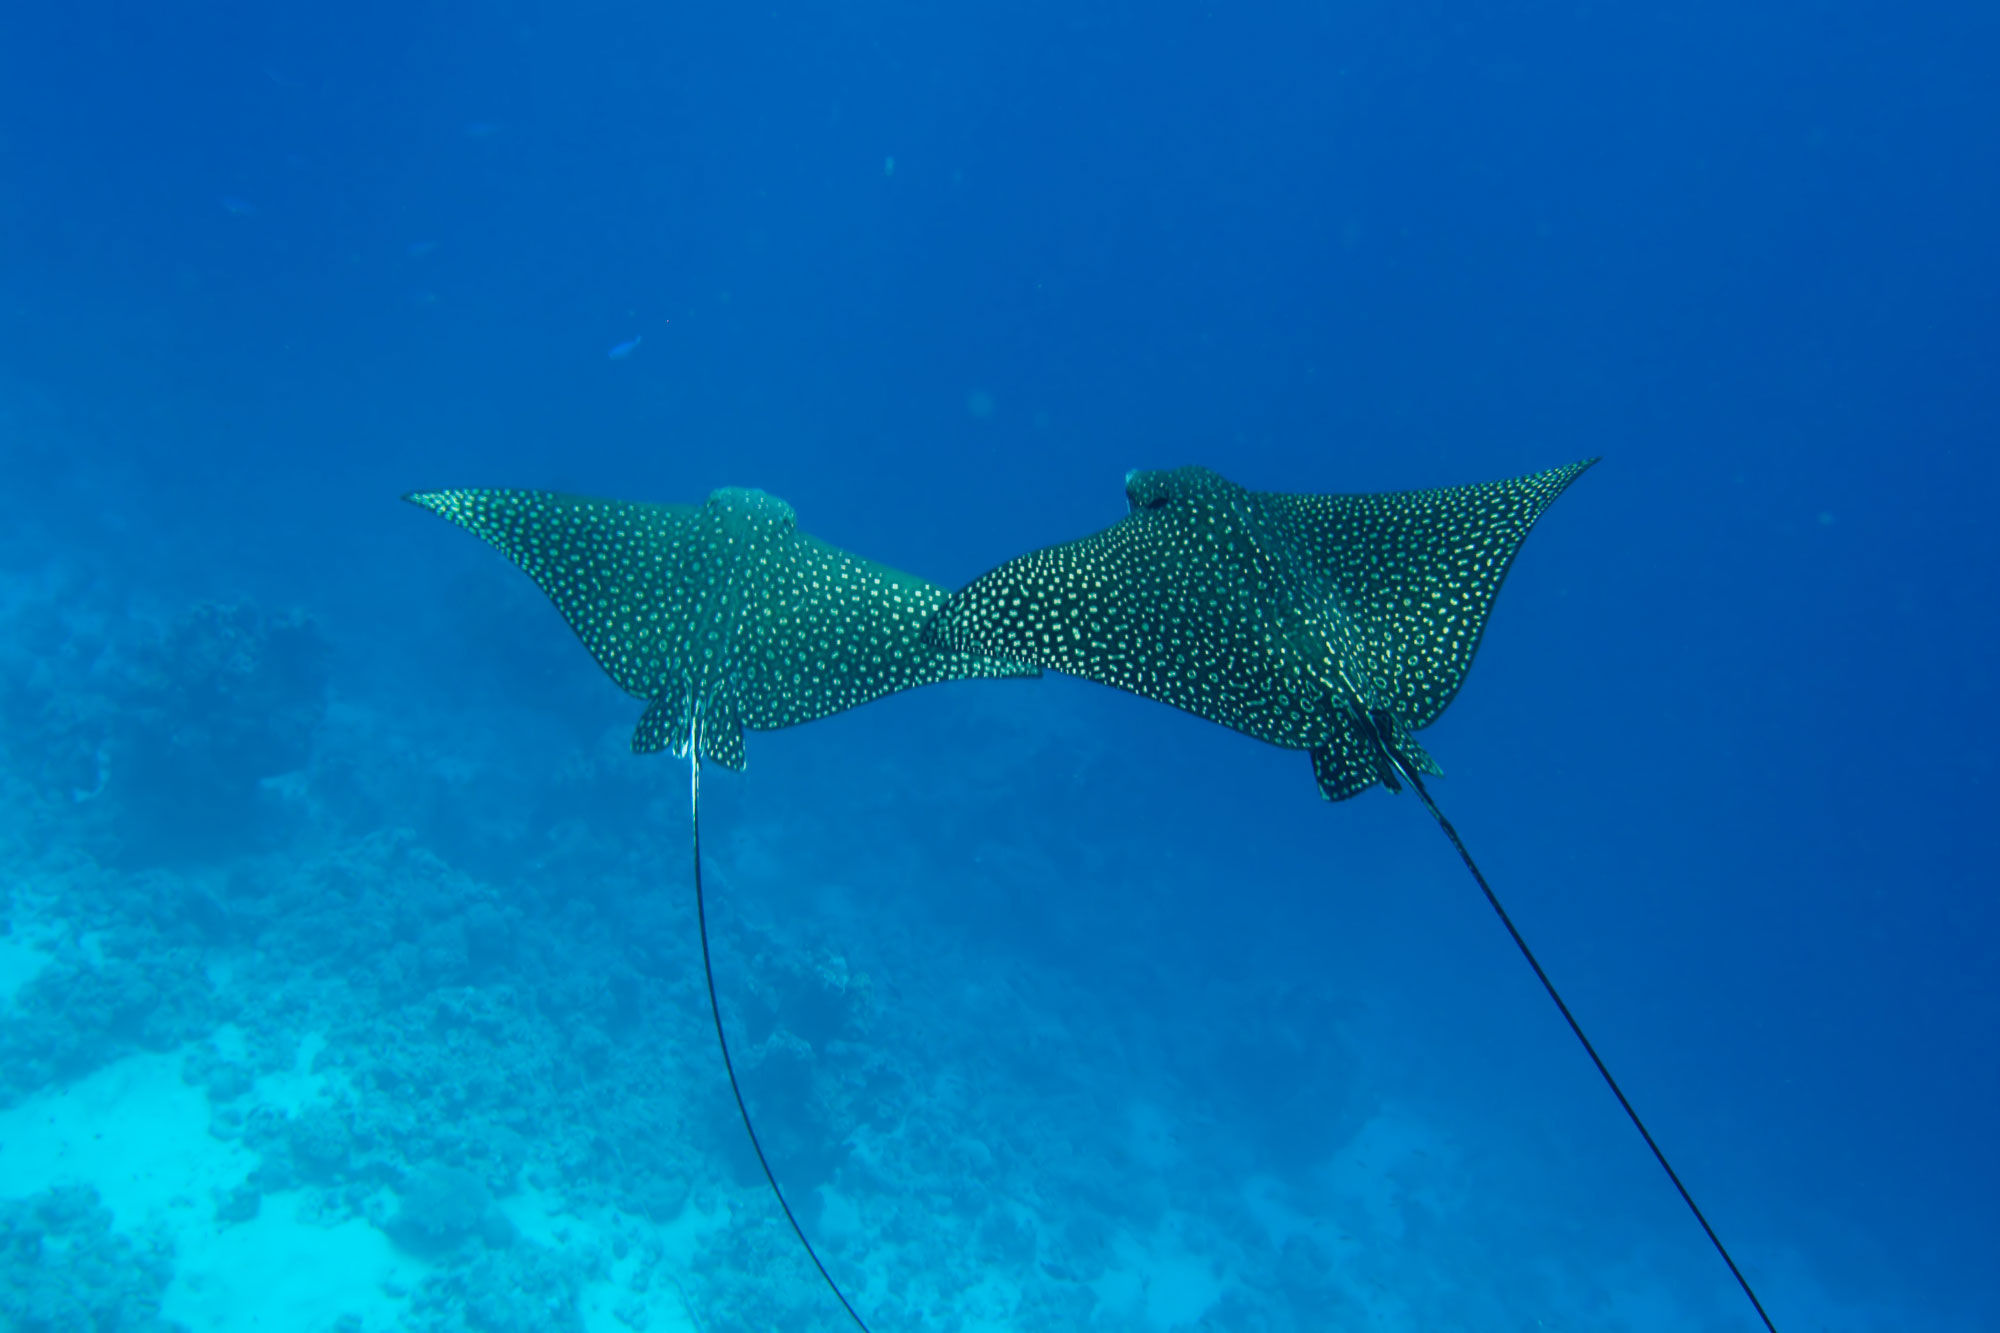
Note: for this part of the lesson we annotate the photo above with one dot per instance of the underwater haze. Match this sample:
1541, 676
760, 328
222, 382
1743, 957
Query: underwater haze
349, 975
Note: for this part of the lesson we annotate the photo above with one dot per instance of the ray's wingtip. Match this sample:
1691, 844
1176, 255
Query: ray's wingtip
1565, 474
437, 502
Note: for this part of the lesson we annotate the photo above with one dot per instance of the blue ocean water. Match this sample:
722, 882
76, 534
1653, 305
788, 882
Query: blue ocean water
350, 978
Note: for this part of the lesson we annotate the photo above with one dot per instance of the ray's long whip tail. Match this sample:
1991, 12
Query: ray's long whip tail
715, 1011
1382, 734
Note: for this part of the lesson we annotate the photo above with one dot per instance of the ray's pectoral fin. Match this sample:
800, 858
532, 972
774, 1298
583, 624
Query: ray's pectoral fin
669, 719
1357, 755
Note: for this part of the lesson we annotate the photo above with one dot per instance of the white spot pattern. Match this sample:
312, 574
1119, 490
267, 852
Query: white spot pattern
723, 615
1266, 612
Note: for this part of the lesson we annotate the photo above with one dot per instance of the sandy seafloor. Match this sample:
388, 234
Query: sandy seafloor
325, 1006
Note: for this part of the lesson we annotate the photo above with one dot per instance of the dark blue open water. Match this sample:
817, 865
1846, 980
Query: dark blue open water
350, 978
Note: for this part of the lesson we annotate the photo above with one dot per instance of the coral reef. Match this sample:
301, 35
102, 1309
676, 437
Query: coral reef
440, 989
224, 699
63, 1269
164, 742
77, 1014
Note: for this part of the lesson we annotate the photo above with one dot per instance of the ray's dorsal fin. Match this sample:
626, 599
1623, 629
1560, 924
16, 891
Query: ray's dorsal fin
720, 616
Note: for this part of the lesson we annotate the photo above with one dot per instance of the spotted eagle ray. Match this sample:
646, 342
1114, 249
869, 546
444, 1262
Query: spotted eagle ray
720, 616
1335, 624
